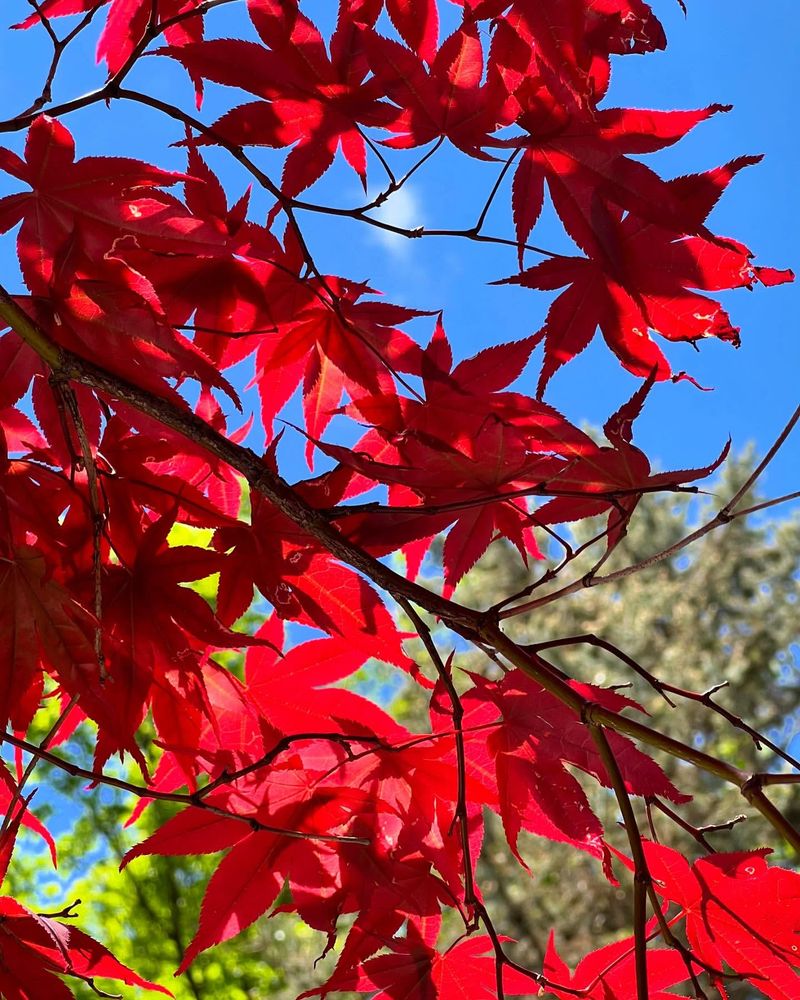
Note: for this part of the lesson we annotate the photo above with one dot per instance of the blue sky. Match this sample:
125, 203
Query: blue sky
735, 56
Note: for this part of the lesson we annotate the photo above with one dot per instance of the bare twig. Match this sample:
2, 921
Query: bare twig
145, 792
641, 874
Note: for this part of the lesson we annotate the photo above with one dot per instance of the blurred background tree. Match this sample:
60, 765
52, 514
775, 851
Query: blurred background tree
726, 609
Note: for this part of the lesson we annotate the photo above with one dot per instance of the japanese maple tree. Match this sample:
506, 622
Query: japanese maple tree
141, 289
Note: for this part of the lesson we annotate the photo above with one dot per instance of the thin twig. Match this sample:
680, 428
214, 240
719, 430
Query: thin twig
186, 799
641, 873
461, 814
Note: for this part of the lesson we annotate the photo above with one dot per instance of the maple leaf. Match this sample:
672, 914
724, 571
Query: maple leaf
311, 668
10, 794
39, 621
477, 466
440, 476
417, 22
249, 878
310, 100
229, 294
95, 200
413, 970
334, 343
609, 973
390, 884
393, 800
75, 224
582, 158
37, 950
535, 737
151, 624
158, 471
418, 780
567, 43
302, 583
447, 100
474, 474
642, 276
739, 911
110, 306
621, 471
302, 793
206, 725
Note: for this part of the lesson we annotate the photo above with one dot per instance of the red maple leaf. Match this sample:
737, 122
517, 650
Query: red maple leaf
474, 473
228, 294
306, 793
581, 156
94, 201
10, 795
38, 950
311, 668
535, 738
740, 912
622, 472
417, 22
642, 276
302, 583
333, 342
414, 970
76, 223
152, 625
430, 461
40, 622
446, 100
609, 973
567, 43
310, 100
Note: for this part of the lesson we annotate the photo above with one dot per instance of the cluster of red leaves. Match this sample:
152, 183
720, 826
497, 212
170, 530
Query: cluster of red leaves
314, 786
373, 780
646, 242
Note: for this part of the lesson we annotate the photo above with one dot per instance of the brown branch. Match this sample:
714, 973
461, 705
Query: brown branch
86, 461
642, 882
460, 815
545, 488
641, 873
756, 474
749, 785
493, 193
697, 832
766, 504
228, 777
665, 689
590, 639
570, 555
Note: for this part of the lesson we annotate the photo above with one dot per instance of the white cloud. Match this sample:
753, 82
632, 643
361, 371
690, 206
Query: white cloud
404, 210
